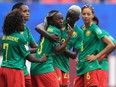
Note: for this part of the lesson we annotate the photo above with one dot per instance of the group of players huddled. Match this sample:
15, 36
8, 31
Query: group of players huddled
60, 40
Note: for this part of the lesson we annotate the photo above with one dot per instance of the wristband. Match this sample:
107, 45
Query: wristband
103, 56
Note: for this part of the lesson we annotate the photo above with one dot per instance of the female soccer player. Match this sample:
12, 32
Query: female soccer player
88, 67
24, 10
43, 74
61, 62
15, 51
103, 60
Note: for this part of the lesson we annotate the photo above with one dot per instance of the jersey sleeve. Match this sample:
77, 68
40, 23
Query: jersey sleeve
31, 39
23, 47
110, 37
54, 31
99, 33
79, 41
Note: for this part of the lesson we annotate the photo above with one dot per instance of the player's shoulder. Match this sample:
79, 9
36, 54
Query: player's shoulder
78, 29
94, 26
21, 38
26, 27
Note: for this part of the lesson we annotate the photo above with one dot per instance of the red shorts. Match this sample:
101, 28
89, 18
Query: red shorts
28, 82
63, 77
92, 78
45, 80
104, 78
11, 77
79, 81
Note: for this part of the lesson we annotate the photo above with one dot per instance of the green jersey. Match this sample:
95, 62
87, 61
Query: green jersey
14, 51
92, 36
45, 47
62, 61
104, 62
30, 40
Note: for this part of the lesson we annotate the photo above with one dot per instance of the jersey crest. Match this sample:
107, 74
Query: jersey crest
74, 34
88, 32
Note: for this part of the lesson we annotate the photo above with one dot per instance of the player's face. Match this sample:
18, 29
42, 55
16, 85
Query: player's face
71, 17
25, 12
58, 20
87, 15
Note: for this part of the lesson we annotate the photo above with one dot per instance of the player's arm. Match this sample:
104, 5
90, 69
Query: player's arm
110, 46
105, 55
108, 49
31, 58
33, 50
41, 28
71, 54
61, 47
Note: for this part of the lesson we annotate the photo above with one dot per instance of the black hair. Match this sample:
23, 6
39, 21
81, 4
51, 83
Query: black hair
18, 5
88, 6
50, 16
13, 22
95, 18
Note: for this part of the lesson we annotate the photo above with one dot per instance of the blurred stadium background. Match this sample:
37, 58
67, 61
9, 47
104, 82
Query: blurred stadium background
104, 10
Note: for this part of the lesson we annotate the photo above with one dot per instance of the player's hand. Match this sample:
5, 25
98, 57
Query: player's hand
70, 30
54, 37
44, 58
90, 58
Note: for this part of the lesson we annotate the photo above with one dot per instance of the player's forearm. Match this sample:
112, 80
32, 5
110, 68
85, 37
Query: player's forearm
43, 32
61, 48
31, 58
33, 50
107, 50
70, 54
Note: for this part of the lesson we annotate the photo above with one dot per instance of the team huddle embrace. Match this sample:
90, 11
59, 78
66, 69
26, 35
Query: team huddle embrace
61, 39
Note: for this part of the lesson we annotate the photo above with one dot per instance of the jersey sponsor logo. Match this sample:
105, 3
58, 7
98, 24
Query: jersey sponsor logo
74, 34
88, 32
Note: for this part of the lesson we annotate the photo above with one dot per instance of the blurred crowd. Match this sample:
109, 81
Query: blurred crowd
61, 1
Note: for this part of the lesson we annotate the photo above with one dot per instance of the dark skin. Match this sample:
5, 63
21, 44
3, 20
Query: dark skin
57, 21
87, 16
96, 21
16, 19
71, 19
24, 10
41, 29
35, 60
